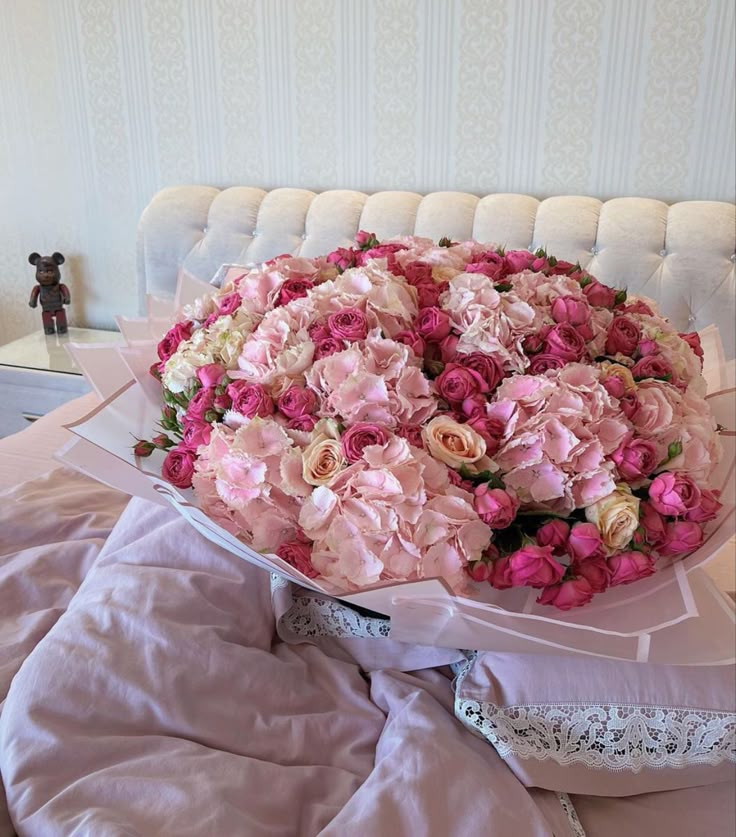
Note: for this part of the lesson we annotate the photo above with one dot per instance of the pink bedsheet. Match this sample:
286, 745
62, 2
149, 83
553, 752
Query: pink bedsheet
157, 698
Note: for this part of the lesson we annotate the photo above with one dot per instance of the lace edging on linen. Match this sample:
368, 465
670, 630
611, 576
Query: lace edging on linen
311, 617
613, 737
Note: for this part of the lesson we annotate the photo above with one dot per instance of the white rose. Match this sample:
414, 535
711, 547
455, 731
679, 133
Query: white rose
616, 516
322, 461
452, 443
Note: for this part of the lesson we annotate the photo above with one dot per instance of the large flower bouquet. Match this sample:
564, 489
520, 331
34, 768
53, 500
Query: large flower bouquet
407, 410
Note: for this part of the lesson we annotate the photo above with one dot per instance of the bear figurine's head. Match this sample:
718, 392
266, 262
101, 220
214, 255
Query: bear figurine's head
47, 268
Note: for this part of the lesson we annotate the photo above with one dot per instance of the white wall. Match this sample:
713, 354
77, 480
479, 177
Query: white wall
103, 102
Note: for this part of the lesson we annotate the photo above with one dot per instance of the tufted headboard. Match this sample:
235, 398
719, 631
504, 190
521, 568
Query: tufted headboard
683, 256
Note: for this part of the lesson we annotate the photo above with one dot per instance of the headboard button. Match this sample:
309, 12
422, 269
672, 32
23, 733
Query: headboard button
662, 252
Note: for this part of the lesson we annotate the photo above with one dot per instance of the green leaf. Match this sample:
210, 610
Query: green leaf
620, 297
552, 261
445, 242
503, 286
585, 281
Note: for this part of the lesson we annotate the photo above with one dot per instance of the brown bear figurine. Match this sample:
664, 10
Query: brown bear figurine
53, 293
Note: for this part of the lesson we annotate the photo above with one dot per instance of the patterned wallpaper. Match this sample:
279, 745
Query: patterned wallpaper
103, 102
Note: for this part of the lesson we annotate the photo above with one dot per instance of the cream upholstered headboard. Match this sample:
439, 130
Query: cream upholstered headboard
683, 255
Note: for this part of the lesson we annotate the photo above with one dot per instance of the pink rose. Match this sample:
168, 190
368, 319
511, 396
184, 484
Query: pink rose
250, 399
209, 375
564, 341
652, 366
487, 366
629, 404
472, 407
327, 347
495, 506
418, 273
635, 458
680, 537
623, 337
360, 436
647, 347
614, 386
223, 402
294, 289
692, 338
544, 362
456, 383
493, 270
229, 303
674, 494
428, 295
534, 566
170, 341
319, 331
574, 592
595, 571
348, 324
433, 324
200, 404
299, 556
490, 429
518, 260
708, 508
554, 533
448, 348
412, 340
627, 567
304, 423
561, 268
297, 401
599, 295
178, 467
365, 240
412, 433
584, 541
567, 309
500, 576
196, 433
652, 522
342, 258
156, 370
637, 307
534, 343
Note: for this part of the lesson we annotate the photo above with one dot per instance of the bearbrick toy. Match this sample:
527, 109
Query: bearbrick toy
53, 293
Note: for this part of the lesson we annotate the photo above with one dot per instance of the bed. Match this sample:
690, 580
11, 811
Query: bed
151, 684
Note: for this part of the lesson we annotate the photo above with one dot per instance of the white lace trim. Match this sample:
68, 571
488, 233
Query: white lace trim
312, 617
621, 737
278, 581
572, 815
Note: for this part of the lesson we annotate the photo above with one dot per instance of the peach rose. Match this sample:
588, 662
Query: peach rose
452, 443
616, 516
322, 460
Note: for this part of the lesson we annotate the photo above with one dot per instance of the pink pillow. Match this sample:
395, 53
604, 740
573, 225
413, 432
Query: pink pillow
603, 727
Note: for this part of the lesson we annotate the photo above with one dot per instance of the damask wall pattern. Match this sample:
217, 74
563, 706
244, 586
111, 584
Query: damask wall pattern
103, 102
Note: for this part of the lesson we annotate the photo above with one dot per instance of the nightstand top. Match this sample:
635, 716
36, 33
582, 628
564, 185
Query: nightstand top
46, 351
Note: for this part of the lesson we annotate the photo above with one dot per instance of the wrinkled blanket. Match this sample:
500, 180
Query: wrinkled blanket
157, 697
